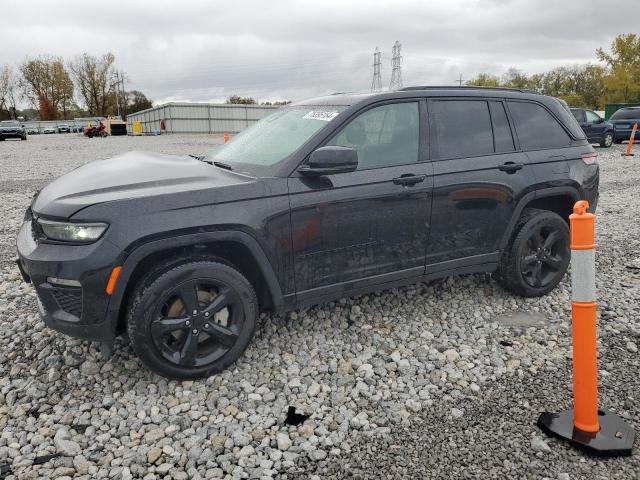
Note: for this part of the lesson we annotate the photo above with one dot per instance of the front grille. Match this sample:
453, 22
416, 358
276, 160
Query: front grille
69, 299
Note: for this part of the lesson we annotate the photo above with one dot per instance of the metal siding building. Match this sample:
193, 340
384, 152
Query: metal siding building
199, 117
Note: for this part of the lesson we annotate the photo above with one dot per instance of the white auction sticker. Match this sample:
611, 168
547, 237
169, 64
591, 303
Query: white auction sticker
319, 115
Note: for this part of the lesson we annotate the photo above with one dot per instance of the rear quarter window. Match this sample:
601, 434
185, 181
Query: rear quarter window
536, 127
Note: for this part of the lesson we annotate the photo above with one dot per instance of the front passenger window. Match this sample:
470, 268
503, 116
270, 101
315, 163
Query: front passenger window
383, 136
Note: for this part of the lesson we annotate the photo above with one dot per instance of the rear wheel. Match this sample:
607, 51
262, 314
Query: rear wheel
194, 320
607, 140
537, 256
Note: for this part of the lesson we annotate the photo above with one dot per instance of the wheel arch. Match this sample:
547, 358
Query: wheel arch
237, 248
559, 200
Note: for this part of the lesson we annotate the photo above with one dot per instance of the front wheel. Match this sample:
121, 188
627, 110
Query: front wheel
607, 140
537, 255
194, 320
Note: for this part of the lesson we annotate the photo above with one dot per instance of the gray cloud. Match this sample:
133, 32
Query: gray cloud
203, 50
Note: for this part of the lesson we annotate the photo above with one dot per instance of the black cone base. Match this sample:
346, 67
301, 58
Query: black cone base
615, 438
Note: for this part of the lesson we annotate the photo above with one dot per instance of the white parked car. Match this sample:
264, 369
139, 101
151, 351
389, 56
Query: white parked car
49, 129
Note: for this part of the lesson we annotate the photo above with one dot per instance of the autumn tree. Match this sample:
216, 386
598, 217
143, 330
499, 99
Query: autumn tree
46, 83
96, 82
9, 93
622, 84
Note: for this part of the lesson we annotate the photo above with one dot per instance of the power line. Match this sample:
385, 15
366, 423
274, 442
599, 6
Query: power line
376, 83
396, 71
459, 80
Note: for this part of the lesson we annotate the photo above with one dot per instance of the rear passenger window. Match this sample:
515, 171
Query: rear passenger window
462, 128
536, 127
501, 130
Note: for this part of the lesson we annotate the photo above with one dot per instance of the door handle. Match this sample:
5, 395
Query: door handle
510, 167
409, 179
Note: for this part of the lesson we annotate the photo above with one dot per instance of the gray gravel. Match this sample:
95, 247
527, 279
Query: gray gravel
437, 380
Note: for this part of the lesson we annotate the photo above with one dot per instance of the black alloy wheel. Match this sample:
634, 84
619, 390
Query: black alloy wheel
537, 255
197, 322
543, 256
192, 319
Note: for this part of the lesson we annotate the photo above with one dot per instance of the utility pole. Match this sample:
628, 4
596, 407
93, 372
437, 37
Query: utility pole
117, 79
460, 80
124, 95
396, 72
376, 83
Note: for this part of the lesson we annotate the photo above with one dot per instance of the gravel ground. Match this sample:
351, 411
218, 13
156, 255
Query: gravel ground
437, 380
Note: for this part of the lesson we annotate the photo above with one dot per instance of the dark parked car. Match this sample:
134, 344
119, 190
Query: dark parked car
326, 198
12, 129
623, 120
596, 128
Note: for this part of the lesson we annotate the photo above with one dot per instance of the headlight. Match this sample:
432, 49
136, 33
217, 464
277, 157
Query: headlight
72, 232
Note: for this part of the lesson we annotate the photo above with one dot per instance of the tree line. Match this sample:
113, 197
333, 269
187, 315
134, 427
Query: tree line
238, 100
87, 85
592, 86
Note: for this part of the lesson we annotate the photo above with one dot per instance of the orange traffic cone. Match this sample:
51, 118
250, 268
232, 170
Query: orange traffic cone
595, 431
226, 137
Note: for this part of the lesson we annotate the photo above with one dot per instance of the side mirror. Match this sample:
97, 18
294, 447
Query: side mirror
329, 160
599, 120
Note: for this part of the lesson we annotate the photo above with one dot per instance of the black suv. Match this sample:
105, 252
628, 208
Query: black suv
596, 128
623, 120
12, 129
323, 199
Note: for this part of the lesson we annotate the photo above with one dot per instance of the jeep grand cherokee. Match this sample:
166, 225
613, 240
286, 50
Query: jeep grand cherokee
325, 198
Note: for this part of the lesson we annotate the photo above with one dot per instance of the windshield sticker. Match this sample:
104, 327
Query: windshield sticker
319, 115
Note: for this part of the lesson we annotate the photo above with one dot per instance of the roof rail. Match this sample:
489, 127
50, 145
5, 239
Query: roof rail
467, 87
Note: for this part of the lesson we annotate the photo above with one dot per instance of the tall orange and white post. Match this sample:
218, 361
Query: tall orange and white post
596, 431
632, 138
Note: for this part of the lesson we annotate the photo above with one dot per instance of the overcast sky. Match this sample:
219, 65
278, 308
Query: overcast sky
208, 50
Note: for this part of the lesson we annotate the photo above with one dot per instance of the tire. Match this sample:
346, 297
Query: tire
525, 254
167, 322
607, 140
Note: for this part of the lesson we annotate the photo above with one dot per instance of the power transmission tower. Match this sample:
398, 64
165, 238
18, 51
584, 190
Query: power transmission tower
396, 72
376, 83
460, 80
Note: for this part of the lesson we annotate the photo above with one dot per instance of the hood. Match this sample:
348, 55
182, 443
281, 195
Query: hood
127, 176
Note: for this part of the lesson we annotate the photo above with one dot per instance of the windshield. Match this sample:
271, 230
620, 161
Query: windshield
275, 137
9, 124
626, 113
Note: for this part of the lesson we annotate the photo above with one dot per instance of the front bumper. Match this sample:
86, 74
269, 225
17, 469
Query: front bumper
70, 283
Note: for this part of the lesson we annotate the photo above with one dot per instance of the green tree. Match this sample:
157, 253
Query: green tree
622, 84
484, 80
237, 99
136, 101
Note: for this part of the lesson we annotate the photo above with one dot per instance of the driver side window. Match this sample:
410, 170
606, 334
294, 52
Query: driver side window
383, 136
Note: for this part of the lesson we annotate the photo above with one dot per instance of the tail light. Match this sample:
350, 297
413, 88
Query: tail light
589, 158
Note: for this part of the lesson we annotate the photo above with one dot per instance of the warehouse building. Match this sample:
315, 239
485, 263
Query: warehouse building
197, 117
